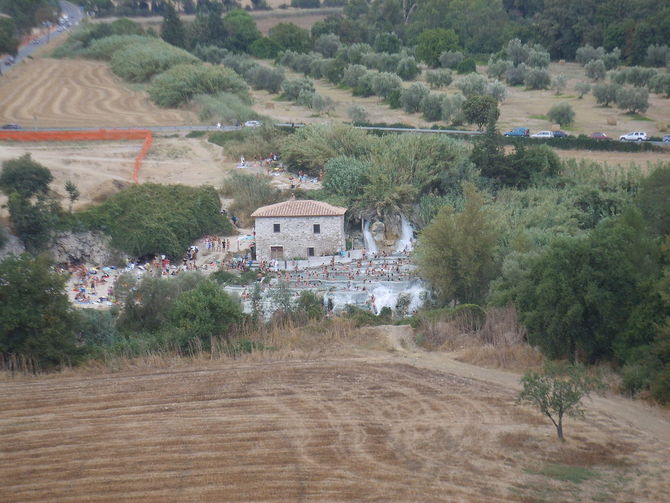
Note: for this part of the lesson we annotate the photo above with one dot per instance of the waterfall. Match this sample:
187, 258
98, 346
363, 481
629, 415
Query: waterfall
387, 294
404, 243
368, 239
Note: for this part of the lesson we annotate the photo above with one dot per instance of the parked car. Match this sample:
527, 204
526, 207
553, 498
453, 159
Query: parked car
518, 131
666, 138
252, 124
599, 136
560, 134
542, 134
11, 126
634, 136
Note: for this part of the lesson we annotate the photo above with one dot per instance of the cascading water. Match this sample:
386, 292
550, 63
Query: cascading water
405, 242
368, 239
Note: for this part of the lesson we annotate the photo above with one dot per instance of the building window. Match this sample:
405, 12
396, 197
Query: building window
317, 228
277, 227
310, 252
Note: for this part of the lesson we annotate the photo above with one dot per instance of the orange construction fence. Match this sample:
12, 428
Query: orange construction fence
98, 135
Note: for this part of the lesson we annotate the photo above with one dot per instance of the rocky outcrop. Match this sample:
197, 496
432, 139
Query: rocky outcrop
13, 246
84, 248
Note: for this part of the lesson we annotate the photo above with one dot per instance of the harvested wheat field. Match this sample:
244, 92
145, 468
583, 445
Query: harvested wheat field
78, 93
101, 168
380, 426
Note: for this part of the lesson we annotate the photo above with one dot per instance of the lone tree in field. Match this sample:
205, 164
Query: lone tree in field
558, 392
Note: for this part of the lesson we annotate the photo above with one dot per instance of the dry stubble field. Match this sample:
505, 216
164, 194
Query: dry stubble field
370, 425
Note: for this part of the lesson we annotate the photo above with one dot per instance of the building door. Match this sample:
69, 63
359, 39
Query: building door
277, 252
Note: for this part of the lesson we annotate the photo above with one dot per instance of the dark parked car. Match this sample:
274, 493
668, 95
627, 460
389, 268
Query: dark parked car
599, 136
11, 126
560, 134
518, 131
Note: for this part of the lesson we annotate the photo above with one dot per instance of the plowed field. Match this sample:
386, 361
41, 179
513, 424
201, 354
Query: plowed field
77, 93
373, 428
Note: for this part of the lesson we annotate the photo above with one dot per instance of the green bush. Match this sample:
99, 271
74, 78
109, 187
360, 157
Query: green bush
249, 192
467, 66
223, 107
153, 219
140, 62
180, 83
105, 48
264, 48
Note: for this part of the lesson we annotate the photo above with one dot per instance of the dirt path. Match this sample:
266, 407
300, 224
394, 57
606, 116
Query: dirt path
634, 414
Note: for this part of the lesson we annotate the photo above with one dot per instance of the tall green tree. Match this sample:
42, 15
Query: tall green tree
205, 312
654, 200
288, 36
431, 43
36, 318
592, 298
172, 29
24, 177
240, 29
456, 251
9, 42
479, 110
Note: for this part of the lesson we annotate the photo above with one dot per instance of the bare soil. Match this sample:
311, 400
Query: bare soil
355, 425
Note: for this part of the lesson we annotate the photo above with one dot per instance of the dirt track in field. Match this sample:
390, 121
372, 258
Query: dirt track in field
77, 93
391, 425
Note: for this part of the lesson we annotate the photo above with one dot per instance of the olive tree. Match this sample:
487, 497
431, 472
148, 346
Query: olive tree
582, 88
412, 96
561, 113
558, 392
595, 69
633, 100
384, 83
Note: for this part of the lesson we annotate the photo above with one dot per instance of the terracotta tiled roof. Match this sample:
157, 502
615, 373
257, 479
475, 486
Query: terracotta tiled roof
299, 208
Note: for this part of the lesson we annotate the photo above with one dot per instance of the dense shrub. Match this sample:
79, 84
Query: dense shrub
353, 54
210, 53
138, 63
151, 219
180, 83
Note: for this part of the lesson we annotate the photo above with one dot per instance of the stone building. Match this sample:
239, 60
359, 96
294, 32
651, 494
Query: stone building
298, 229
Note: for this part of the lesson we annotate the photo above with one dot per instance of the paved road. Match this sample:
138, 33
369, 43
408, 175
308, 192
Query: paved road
75, 16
